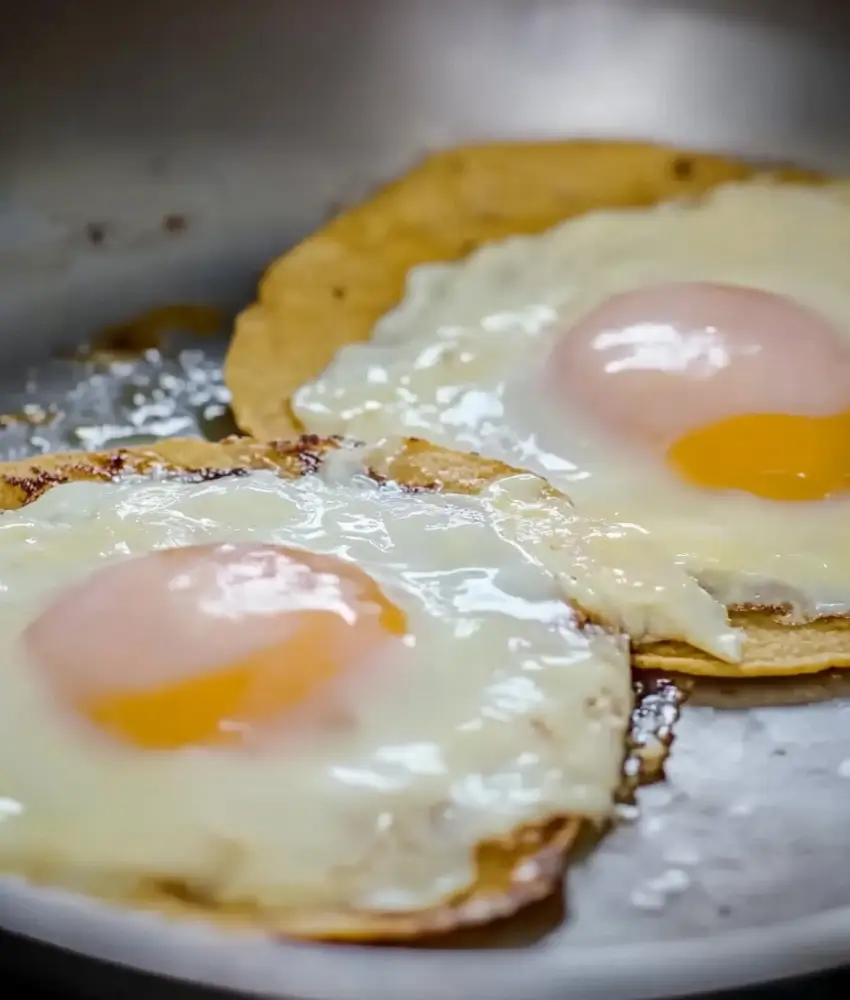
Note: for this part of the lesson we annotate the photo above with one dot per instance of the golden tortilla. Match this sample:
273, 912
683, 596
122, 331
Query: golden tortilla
331, 289
512, 873
774, 648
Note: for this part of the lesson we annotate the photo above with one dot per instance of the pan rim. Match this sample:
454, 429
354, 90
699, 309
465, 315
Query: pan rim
255, 965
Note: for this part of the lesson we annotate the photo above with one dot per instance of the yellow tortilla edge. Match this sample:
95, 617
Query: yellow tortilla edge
774, 648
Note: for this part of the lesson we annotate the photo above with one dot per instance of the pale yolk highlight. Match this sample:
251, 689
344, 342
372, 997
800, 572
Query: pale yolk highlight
739, 389
211, 644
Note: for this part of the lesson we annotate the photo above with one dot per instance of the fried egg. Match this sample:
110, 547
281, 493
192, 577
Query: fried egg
310, 696
684, 368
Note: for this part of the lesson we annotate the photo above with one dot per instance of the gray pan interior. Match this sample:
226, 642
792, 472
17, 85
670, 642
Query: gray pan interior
162, 152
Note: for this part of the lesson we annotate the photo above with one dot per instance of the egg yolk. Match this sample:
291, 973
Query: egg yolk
778, 456
738, 389
210, 644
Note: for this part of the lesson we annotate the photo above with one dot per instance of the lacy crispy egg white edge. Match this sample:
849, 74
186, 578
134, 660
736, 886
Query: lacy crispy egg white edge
512, 872
332, 288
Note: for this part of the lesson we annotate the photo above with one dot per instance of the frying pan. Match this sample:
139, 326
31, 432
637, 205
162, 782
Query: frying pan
161, 152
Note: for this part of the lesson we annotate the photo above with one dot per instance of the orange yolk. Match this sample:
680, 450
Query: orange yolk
211, 644
777, 456
739, 389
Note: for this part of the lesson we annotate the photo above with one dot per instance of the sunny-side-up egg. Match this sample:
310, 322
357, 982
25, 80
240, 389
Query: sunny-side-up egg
685, 368
321, 692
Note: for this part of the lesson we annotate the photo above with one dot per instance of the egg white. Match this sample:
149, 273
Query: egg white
499, 711
458, 362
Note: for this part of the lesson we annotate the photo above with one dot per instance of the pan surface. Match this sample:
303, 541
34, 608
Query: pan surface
161, 156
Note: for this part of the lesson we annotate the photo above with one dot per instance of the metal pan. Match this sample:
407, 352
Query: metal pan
161, 153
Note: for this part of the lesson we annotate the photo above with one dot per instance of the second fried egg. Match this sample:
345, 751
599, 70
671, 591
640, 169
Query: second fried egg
685, 368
